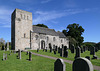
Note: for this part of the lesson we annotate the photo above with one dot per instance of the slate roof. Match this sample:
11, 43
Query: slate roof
42, 30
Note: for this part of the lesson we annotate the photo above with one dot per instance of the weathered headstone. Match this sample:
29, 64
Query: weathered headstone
77, 52
65, 48
59, 65
82, 64
84, 48
10, 52
7, 45
19, 54
3, 56
92, 51
54, 51
30, 56
6, 57
56, 48
37, 49
59, 50
72, 49
66, 53
81, 50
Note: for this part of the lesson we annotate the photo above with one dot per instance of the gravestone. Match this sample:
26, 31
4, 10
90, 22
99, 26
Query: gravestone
27, 52
56, 48
19, 53
65, 48
10, 52
72, 49
46, 49
77, 52
4, 56
30, 56
92, 51
54, 51
59, 65
59, 50
84, 48
81, 50
66, 53
82, 64
37, 49
7, 45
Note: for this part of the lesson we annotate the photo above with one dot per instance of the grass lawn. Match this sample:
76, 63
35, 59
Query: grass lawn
71, 55
37, 63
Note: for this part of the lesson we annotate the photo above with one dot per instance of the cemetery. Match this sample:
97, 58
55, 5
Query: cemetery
27, 61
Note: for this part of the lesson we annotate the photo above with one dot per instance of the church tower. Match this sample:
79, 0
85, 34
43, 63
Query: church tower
21, 26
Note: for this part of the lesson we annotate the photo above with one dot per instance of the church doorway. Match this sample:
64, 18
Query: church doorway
42, 44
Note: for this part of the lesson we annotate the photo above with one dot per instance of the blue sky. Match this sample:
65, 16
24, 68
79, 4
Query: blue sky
56, 14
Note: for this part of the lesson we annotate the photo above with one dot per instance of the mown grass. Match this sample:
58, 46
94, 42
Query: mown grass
37, 63
71, 55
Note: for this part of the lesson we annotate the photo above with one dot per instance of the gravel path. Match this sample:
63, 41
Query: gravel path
68, 61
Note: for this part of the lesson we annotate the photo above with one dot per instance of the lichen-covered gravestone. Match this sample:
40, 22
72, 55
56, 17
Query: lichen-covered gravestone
82, 64
59, 65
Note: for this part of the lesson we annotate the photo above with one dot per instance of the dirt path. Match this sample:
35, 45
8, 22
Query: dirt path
68, 61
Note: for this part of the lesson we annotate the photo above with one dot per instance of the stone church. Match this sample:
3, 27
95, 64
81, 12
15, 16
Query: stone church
26, 36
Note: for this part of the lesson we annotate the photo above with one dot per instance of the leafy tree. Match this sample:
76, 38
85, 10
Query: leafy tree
41, 25
75, 31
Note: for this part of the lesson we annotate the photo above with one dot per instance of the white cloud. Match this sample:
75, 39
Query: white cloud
23, 1
5, 16
42, 17
45, 1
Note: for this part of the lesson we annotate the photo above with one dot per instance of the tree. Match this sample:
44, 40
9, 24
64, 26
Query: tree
41, 25
75, 31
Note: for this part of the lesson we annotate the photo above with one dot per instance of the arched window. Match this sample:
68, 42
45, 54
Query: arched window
24, 35
61, 41
54, 39
47, 38
24, 16
36, 37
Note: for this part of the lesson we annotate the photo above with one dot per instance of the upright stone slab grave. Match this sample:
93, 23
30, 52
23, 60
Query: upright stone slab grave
59, 50
72, 49
82, 64
66, 53
59, 65
4, 56
56, 48
92, 51
19, 54
30, 56
77, 52
10, 52
7, 45
54, 51
46, 49
84, 48
81, 50
65, 48
37, 49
